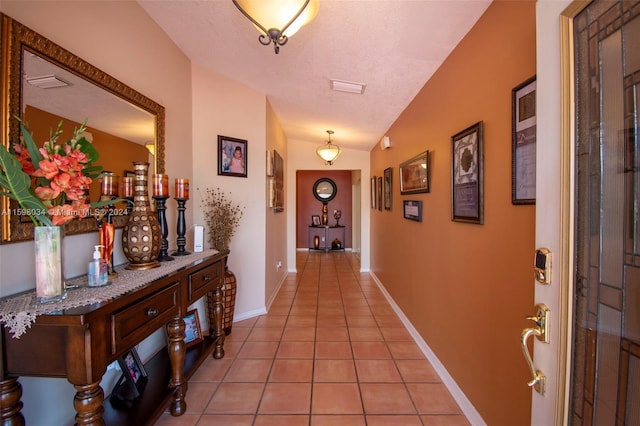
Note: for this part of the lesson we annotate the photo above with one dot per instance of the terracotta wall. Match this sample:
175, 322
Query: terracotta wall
307, 204
116, 154
466, 288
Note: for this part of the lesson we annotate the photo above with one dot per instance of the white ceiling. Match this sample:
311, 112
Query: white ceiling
392, 46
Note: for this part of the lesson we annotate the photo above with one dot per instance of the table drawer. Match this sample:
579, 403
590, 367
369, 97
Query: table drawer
135, 322
203, 281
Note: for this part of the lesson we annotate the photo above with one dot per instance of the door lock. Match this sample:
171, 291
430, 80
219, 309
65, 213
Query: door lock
541, 331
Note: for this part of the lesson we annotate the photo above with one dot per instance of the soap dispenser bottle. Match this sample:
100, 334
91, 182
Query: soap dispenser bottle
98, 270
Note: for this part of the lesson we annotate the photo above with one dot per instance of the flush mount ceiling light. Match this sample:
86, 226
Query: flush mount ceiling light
328, 152
277, 19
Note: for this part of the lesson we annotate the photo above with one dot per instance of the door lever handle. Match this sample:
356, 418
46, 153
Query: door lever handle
541, 331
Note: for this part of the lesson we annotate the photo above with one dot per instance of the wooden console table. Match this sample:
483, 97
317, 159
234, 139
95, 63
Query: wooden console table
326, 235
79, 343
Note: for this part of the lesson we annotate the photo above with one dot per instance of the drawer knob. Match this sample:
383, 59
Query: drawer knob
206, 278
152, 312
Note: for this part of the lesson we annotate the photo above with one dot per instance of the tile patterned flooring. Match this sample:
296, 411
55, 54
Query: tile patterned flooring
330, 352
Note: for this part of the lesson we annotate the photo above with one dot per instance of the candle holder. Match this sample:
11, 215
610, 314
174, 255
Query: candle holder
162, 218
181, 228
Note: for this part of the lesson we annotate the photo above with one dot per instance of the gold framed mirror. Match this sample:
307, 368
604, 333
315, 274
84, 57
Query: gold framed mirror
113, 110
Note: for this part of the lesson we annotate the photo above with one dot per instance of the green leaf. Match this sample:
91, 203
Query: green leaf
88, 148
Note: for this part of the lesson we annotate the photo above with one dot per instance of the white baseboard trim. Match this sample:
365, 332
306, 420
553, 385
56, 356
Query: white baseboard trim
465, 405
249, 314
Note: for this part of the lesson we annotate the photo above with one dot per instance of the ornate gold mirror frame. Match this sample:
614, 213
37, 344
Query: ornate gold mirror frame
18, 40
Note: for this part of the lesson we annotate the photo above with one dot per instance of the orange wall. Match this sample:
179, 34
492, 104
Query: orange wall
116, 154
465, 287
307, 204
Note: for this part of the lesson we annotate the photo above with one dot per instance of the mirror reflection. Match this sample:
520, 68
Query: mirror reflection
46, 84
324, 189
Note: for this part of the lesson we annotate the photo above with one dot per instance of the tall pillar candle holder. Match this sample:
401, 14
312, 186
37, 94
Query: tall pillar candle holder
182, 196
162, 219
141, 236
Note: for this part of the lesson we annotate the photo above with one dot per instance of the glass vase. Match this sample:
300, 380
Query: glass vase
49, 268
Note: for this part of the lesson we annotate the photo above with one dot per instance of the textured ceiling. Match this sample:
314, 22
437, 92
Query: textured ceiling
392, 46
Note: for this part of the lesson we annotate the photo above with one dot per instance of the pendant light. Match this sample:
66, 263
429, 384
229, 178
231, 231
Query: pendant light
278, 20
328, 152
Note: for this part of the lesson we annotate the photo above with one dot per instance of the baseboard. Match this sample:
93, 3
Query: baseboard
466, 406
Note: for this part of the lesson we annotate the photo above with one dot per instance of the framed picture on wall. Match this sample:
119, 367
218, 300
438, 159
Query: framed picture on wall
523, 144
412, 210
278, 186
466, 175
232, 156
414, 174
388, 187
373, 192
379, 191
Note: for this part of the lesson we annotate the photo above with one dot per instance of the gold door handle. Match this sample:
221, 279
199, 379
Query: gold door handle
541, 331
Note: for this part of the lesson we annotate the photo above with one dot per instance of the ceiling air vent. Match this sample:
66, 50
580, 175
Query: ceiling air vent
47, 82
347, 86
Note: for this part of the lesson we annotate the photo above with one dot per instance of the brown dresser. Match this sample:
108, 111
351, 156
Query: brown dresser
79, 343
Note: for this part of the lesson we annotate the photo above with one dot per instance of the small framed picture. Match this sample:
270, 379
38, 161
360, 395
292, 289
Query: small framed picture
373, 192
388, 180
414, 174
466, 175
192, 331
134, 376
523, 144
232, 156
379, 190
315, 220
412, 210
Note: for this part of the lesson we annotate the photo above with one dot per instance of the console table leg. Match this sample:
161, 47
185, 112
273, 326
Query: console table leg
88, 404
10, 404
176, 349
216, 309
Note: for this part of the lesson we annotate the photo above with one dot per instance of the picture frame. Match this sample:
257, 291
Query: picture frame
523, 144
278, 186
315, 220
232, 156
467, 175
415, 175
269, 163
412, 210
388, 187
134, 376
374, 196
192, 330
379, 191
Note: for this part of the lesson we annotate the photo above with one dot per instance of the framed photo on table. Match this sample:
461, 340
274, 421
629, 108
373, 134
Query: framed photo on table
523, 145
192, 330
315, 220
232, 156
466, 175
134, 376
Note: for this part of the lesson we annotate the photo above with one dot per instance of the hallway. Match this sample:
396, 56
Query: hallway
331, 351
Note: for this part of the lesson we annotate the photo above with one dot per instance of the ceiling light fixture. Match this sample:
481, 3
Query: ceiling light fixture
277, 19
328, 152
347, 86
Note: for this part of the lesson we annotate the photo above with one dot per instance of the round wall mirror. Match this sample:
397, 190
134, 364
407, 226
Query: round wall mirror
324, 190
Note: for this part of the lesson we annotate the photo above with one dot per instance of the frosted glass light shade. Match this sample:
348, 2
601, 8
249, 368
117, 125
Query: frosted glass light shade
277, 13
328, 153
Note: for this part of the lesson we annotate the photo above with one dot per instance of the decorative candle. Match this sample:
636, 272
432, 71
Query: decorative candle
182, 188
127, 187
160, 185
109, 184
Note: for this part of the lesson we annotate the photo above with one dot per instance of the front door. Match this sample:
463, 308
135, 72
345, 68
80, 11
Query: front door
605, 354
592, 223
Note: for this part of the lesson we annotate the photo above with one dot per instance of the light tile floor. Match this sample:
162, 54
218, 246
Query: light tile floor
330, 352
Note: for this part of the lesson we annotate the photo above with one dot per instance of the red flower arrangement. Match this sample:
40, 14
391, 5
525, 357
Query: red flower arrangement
51, 183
